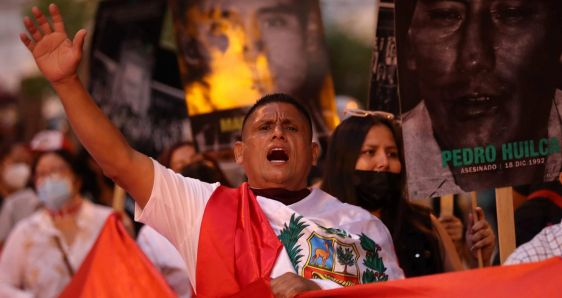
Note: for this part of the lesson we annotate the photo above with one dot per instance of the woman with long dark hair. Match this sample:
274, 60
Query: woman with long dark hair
364, 167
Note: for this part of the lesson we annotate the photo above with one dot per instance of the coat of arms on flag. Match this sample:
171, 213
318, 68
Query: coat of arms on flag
332, 259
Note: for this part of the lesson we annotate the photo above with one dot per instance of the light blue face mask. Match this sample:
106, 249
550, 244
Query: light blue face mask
54, 192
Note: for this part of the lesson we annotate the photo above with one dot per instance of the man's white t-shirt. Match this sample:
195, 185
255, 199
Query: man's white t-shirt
316, 232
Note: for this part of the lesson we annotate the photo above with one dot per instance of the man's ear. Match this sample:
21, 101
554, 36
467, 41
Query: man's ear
239, 152
315, 153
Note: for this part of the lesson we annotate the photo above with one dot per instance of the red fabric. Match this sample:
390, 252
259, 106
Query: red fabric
116, 267
548, 194
528, 280
237, 246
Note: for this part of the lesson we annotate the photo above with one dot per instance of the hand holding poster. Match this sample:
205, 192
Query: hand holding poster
483, 77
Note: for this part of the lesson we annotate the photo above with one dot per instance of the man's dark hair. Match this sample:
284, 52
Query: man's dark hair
278, 98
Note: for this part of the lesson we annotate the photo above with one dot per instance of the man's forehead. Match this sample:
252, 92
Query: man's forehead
277, 111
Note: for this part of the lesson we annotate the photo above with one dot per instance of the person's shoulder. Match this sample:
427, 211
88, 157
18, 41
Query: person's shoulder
169, 176
31, 223
97, 207
326, 200
96, 211
25, 194
553, 232
319, 194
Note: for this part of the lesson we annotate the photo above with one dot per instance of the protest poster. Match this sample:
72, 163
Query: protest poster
479, 94
134, 80
233, 52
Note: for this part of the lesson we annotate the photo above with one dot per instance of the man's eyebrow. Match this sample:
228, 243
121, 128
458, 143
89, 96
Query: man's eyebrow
264, 121
280, 8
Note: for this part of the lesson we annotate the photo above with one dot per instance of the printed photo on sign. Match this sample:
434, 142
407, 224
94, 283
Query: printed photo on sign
383, 94
479, 84
133, 80
234, 52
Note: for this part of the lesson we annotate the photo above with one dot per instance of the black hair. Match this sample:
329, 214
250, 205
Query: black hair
166, 155
278, 98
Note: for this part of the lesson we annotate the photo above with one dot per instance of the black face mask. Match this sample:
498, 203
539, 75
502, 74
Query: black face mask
376, 190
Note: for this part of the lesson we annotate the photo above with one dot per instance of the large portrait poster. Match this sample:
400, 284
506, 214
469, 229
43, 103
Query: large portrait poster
234, 52
479, 93
133, 80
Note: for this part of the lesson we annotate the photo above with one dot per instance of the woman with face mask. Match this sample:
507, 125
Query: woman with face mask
19, 199
364, 167
15, 170
44, 250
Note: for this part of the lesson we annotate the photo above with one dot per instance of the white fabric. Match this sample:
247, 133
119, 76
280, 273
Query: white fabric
166, 258
32, 265
17, 206
176, 205
546, 244
426, 176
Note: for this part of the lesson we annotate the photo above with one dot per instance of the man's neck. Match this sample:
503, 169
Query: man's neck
284, 196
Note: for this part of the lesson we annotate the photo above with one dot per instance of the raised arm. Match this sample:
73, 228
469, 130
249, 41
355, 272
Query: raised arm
58, 58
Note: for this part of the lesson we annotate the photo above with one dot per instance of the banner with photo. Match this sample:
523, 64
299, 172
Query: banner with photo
383, 93
233, 52
479, 94
134, 80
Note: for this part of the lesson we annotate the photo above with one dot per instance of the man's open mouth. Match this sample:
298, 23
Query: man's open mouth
277, 155
475, 106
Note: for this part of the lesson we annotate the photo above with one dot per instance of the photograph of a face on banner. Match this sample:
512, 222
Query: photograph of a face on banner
479, 83
234, 52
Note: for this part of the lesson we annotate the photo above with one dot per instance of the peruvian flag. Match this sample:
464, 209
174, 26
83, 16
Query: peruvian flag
116, 267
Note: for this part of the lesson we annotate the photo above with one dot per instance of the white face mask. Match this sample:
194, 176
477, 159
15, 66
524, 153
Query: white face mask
54, 192
16, 175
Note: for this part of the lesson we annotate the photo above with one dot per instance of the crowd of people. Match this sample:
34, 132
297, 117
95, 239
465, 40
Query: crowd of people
357, 227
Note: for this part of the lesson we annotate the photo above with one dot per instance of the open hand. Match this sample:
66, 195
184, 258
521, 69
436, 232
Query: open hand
55, 54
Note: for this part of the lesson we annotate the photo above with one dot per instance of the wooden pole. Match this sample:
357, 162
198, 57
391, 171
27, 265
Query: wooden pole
506, 222
118, 199
446, 205
474, 204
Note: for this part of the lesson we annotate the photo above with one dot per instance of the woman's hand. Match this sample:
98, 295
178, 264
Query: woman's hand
453, 225
479, 235
55, 54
